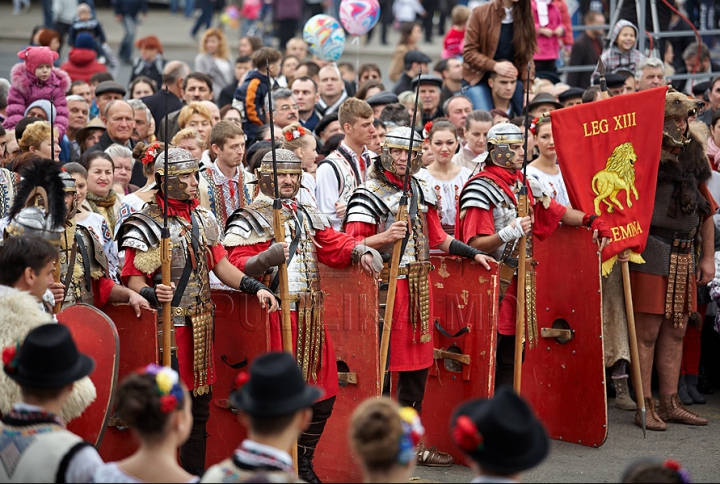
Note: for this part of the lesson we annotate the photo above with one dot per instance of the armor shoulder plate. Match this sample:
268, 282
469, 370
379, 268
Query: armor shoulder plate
539, 191
249, 225
96, 253
316, 219
213, 233
370, 203
427, 194
139, 231
479, 192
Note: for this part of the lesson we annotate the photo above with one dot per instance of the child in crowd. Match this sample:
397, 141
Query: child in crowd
623, 54
36, 79
275, 405
549, 28
156, 406
250, 95
455, 38
86, 22
653, 469
384, 438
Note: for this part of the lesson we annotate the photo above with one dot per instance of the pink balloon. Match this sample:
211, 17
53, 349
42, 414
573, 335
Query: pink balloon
359, 16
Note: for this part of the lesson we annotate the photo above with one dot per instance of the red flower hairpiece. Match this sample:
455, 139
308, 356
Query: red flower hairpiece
10, 355
242, 378
466, 435
168, 403
533, 125
150, 154
295, 134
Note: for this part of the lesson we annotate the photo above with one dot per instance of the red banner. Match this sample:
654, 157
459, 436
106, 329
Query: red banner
609, 152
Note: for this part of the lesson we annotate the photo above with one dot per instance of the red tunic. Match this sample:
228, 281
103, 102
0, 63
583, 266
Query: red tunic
407, 353
334, 250
183, 334
101, 290
480, 222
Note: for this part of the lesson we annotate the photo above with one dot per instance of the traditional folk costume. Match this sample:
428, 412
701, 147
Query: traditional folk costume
8, 188
195, 250
488, 205
36, 446
372, 209
249, 238
667, 278
275, 388
222, 195
337, 176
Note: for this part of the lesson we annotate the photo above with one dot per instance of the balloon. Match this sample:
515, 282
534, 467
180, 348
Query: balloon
325, 37
359, 16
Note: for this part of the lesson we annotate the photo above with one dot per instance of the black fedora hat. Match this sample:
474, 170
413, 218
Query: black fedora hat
544, 98
276, 387
508, 437
48, 358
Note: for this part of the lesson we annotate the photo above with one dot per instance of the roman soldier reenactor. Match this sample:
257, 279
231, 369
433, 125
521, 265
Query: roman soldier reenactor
371, 219
487, 219
309, 241
195, 251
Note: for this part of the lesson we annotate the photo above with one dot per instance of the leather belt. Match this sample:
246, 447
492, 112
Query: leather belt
670, 236
191, 311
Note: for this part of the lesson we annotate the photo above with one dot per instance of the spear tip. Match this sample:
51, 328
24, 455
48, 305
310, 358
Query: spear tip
601, 68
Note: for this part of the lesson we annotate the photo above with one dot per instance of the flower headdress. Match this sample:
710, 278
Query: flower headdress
426, 129
675, 466
466, 435
535, 122
10, 357
167, 383
295, 133
411, 435
150, 154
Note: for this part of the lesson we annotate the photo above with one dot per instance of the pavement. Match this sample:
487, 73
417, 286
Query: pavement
174, 33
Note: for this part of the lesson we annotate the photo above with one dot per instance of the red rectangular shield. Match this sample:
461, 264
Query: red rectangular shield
565, 381
465, 303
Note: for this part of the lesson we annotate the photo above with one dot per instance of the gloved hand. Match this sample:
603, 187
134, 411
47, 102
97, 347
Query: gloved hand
257, 265
514, 230
360, 250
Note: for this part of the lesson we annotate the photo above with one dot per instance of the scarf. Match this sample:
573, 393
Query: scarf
713, 153
542, 10
177, 208
104, 206
507, 180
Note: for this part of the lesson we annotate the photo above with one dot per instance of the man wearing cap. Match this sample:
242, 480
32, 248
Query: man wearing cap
380, 100
332, 90
45, 366
544, 103
306, 95
89, 135
108, 91
275, 405
487, 219
615, 84
309, 240
501, 436
415, 63
429, 93
119, 120
328, 126
571, 97
196, 250
371, 219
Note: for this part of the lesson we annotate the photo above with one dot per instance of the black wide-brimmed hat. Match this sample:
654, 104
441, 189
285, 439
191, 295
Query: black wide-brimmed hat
48, 358
502, 434
275, 387
544, 98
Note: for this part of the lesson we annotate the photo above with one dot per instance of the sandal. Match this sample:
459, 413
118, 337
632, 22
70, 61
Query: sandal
431, 457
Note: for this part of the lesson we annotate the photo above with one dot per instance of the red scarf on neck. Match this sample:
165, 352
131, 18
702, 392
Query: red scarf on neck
505, 179
180, 208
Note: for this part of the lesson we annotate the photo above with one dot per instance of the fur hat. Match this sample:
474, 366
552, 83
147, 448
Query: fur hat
37, 56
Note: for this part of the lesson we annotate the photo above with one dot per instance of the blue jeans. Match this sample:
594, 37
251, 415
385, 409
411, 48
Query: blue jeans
189, 7
481, 98
47, 14
126, 46
207, 8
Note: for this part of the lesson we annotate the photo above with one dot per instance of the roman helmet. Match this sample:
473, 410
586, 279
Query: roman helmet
399, 138
38, 209
180, 162
287, 162
69, 187
499, 139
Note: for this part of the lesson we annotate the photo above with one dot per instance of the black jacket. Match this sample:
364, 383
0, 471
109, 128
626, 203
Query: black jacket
403, 84
105, 142
156, 105
227, 95
583, 54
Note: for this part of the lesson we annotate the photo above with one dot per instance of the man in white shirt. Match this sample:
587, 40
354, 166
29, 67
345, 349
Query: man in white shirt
344, 169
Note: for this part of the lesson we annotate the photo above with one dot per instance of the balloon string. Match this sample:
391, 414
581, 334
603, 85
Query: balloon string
356, 41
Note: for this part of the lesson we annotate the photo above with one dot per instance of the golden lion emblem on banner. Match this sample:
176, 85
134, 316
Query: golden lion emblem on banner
618, 175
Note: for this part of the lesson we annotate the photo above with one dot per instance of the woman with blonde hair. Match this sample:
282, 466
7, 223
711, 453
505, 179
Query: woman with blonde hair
36, 139
213, 60
384, 439
189, 139
302, 142
197, 117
